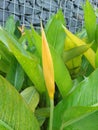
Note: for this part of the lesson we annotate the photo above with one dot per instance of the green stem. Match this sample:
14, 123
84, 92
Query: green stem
51, 113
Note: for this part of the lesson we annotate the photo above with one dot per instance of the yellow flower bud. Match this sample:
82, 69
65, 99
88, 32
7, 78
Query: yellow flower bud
47, 63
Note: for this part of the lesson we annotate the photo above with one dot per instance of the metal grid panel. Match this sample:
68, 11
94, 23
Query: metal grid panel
33, 11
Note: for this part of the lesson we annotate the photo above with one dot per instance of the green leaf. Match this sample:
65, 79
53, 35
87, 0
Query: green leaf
15, 74
62, 77
28, 62
96, 35
37, 41
49, 22
90, 21
74, 40
31, 97
5, 53
74, 52
42, 114
28, 35
10, 25
96, 59
5, 59
55, 33
73, 58
3, 66
85, 94
82, 34
78, 117
17, 32
88, 123
14, 112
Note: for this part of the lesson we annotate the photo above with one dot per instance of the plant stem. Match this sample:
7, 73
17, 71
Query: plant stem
51, 113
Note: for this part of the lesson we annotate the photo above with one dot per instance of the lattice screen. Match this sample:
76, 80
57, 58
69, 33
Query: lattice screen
33, 11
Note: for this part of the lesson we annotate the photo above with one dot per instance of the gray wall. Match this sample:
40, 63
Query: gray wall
32, 11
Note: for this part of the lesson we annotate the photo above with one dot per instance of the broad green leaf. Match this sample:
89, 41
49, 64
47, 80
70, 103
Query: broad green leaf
55, 33
37, 41
10, 25
48, 68
5, 53
90, 122
23, 41
15, 74
31, 97
14, 112
74, 52
96, 35
28, 35
5, 59
90, 21
74, 66
28, 62
96, 58
3, 66
85, 94
89, 54
72, 56
77, 118
62, 77
49, 22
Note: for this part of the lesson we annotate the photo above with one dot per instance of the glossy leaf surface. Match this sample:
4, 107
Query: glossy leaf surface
74, 52
55, 33
84, 95
31, 97
89, 54
10, 25
90, 21
34, 70
14, 112
15, 74
5, 59
79, 117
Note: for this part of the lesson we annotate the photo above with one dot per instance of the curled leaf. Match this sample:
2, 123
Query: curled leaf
89, 54
48, 69
74, 52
